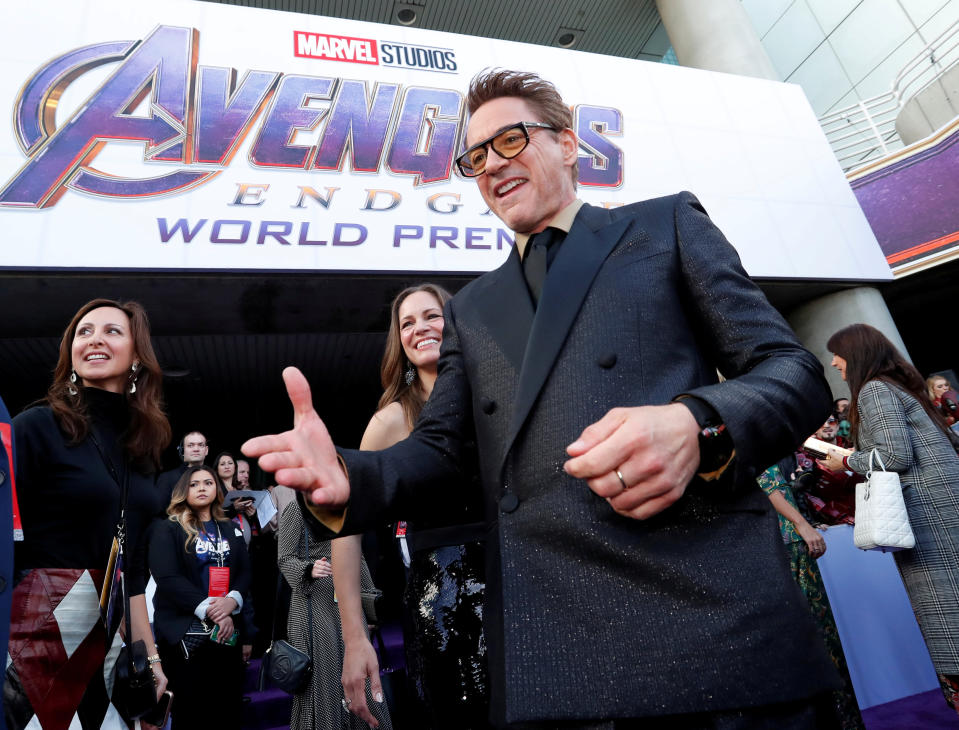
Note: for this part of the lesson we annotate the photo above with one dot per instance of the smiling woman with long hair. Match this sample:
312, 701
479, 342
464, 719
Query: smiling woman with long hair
201, 568
891, 414
98, 433
445, 645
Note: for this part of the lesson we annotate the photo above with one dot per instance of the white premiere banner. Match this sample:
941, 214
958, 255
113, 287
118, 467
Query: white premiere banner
199, 136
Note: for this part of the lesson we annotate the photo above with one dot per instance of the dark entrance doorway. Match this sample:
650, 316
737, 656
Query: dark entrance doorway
223, 339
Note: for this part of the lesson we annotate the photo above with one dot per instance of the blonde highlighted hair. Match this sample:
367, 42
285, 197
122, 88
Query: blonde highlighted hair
180, 510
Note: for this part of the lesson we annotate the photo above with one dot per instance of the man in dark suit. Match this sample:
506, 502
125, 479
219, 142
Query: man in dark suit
193, 450
635, 569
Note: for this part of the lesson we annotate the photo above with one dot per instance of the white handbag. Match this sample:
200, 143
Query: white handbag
882, 522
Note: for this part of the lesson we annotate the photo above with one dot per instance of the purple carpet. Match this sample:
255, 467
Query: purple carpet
925, 711
270, 710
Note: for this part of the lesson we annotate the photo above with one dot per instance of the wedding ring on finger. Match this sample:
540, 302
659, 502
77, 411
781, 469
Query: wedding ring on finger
346, 704
622, 481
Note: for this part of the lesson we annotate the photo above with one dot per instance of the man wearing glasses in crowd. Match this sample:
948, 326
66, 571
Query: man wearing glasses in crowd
634, 569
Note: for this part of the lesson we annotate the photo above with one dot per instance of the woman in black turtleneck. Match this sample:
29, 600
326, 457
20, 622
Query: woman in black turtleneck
101, 427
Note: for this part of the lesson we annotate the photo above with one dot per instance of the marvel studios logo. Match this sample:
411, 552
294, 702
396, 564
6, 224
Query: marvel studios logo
425, 58
349, 49
334, 47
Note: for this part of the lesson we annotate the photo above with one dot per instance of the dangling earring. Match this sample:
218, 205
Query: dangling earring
410, 374
71, 389
133, 378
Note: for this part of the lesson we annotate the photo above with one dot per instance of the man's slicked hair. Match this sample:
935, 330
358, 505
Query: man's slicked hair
539, 93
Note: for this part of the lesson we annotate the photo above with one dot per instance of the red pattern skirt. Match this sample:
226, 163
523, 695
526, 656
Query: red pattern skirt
58, 647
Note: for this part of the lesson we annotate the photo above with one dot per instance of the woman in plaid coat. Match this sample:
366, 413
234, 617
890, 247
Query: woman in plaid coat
891, 414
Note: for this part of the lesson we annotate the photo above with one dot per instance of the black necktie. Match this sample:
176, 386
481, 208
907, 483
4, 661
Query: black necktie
535, 262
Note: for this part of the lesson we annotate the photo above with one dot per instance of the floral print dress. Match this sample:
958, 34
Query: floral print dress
806, 574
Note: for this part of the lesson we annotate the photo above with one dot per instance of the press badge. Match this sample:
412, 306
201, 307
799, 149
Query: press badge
219, 581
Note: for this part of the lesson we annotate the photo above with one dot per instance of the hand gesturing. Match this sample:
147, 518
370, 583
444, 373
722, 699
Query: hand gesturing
303, 458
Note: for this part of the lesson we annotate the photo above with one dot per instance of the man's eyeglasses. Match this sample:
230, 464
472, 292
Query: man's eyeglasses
507, 143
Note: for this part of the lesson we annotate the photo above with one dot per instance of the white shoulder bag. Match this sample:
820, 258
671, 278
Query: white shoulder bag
882, 522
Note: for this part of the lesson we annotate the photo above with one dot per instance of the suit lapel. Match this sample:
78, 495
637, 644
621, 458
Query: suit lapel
586, 247
506, 309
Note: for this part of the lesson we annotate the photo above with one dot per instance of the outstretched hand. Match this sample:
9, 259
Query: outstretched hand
303, 458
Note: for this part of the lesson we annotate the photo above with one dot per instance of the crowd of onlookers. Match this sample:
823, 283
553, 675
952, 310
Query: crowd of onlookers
205, 546
215, 540
910, 425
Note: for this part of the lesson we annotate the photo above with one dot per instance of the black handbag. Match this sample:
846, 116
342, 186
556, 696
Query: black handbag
287, 667
134, 689
198, 634
283, 665
372, 601
134, 686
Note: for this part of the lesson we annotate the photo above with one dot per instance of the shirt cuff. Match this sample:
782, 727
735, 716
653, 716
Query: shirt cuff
200, 610
332, 518
235, 595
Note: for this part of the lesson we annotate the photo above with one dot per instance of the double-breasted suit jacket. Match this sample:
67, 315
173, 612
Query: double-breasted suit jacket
590, 614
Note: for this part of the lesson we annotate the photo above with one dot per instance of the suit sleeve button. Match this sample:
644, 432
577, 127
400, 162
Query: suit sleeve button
488, 406
3, 476
607, 360
509, 502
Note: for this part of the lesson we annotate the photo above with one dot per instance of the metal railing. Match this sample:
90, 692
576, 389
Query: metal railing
866, 131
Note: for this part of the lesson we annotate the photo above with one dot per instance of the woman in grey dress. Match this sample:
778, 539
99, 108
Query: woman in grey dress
305, 563
891, 413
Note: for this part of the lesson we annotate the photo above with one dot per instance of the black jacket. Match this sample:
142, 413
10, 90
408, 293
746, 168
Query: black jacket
70, 502
590, 614
179, 580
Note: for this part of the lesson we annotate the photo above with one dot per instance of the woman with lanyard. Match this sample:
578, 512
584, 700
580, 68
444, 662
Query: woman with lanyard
92, 445
201, 568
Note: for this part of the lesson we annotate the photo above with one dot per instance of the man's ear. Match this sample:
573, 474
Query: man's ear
570, 144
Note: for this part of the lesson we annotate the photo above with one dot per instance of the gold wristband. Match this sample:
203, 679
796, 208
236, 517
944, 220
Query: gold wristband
332, 518
712, 476
153, 659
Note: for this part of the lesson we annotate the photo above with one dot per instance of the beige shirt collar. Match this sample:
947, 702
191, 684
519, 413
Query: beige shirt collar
562, 220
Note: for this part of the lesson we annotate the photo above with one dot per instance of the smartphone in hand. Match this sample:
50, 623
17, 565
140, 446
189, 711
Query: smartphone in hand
160, 713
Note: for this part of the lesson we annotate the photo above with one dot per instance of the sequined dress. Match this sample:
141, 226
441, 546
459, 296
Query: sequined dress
445, 645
